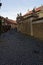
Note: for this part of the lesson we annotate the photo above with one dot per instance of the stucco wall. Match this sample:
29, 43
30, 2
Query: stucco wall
40, 13
38, 30
24, 27
30, 28
13, 26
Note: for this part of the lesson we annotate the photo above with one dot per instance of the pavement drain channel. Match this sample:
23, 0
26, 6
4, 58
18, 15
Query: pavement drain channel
19, 49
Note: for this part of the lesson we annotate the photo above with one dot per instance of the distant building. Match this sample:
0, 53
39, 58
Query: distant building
7, 24
32, 23
11, 22
7, 21
3, 20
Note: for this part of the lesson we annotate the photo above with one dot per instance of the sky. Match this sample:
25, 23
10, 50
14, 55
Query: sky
10, 8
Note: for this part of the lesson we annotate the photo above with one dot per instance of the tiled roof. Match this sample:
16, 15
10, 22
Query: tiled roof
10, 21
30, 12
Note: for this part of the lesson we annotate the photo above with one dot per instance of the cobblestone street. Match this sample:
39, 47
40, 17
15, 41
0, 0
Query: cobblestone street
19, 49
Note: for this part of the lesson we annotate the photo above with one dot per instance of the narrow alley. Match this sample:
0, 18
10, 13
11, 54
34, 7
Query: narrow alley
19, 49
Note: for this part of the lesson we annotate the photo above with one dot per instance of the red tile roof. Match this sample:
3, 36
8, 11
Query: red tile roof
11, 21
30, 12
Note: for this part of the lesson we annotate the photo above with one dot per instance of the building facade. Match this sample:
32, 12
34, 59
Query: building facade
7, 24
32, 23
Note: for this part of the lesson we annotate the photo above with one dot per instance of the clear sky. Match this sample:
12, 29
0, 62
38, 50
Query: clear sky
10, 8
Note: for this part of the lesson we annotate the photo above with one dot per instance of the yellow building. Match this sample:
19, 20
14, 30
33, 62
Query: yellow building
31, 23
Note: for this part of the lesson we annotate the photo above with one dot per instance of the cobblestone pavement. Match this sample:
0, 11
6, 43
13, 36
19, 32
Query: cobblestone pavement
19, 49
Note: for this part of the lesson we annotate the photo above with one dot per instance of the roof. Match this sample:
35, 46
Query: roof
36, 9
10, 21
37, 19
